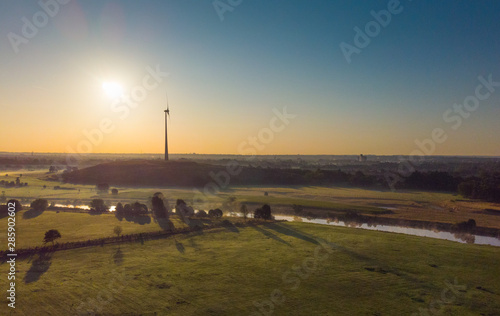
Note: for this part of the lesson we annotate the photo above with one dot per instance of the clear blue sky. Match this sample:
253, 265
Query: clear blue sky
226, 77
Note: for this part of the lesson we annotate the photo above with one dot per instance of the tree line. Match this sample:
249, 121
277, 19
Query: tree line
52, 235
484, 187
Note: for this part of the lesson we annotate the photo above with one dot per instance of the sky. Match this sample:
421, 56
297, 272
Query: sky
251, 77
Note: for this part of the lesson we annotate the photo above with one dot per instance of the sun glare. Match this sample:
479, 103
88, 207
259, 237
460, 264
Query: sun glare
112, 89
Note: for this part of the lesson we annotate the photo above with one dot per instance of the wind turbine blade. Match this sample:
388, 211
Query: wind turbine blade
168, 110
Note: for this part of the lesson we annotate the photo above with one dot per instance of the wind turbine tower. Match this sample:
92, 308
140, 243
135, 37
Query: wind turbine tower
167, 116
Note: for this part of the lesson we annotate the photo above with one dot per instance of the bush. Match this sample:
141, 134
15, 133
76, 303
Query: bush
466, 226
117, 230
215, 213
51, 235
39, 205
201, 213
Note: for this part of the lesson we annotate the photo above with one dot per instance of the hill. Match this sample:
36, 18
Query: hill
187, 173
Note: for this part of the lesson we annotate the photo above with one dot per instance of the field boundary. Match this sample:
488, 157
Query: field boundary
25, 253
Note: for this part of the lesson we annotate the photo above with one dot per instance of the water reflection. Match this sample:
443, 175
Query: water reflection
458, 237
83, 207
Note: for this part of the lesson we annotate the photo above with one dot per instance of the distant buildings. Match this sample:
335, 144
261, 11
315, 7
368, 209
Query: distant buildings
362, 158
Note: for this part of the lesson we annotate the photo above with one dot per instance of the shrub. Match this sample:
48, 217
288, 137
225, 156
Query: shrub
215, 213
201, 213
117, 230
40, 205
51, 235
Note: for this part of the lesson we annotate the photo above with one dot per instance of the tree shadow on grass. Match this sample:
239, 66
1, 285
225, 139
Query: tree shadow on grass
141, 220
193, 244
230, 226
31, 213
38, 267
268, 234
165, 224
194, 223
118, 257
282, 229
179, 246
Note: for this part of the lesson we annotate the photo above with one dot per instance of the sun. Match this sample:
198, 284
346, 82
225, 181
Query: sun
112, 89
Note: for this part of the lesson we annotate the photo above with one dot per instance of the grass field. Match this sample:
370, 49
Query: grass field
74, 227
410, 205
304, 269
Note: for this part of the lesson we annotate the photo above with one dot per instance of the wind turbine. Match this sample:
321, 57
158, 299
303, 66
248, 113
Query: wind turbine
167, 114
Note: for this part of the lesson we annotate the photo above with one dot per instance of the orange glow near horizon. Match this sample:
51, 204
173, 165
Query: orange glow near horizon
99, 86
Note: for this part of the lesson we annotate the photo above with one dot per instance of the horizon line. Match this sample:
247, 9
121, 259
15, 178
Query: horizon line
257, 155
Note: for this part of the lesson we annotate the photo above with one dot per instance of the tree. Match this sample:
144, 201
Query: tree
127, 209
201, 213
39, 205
114, 191
117, 230
51, 235
159, 209
179, 202
139, 209
244, 211
264, 212
98, 206
17, 205
119, 211
215, 213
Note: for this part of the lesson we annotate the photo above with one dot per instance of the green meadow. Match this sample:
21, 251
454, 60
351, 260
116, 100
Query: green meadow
74, 227
270, 269
334, 198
